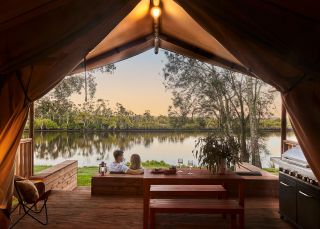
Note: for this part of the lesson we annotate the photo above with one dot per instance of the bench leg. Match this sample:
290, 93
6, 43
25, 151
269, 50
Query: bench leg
241, 220
152, 219
233, 221
224, 196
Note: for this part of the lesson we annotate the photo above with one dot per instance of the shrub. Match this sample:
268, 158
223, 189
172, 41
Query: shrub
45, 124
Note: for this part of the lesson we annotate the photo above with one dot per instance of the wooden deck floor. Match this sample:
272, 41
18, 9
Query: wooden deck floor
78, 209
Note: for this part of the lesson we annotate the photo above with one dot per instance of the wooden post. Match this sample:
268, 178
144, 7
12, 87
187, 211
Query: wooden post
283, 127
31, 132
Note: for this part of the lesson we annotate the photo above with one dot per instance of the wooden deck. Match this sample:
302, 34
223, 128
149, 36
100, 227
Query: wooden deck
78, 209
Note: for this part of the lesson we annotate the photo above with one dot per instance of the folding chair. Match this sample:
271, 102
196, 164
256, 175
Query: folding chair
29, 208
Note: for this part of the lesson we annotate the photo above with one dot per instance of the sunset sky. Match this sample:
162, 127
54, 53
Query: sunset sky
137, 84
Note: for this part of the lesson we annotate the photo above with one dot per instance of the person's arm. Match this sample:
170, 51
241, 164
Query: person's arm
135, 171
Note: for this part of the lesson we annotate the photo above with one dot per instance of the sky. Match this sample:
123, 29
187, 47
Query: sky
138, 85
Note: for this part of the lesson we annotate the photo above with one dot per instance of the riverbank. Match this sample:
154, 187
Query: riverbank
147, 130
85, 173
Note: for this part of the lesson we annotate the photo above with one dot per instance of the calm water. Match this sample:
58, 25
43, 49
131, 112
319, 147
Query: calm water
91, 148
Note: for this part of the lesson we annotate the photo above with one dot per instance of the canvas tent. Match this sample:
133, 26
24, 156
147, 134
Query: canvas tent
41, 41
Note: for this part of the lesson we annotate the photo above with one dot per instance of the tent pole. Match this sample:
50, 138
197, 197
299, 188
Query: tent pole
85, 79
31, 133
283, 127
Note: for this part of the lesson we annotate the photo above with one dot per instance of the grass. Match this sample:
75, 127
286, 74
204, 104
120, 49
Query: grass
39, 168
85, 173
155, 164
272, 170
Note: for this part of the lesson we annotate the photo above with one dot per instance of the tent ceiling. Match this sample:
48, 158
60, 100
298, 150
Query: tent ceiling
134, 35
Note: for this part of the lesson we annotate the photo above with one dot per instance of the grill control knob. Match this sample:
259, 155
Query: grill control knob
292, 173
313, 182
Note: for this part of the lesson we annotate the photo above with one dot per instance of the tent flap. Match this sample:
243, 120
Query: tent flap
38, 48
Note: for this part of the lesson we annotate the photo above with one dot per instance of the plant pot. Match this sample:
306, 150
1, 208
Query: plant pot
222, 168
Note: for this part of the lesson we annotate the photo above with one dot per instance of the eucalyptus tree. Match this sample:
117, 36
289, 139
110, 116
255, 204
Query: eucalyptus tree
235, 101
57, 106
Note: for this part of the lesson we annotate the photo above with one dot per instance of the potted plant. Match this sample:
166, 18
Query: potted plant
216, 153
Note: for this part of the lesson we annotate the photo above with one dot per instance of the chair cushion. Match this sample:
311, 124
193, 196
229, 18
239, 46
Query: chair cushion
28, 191
18, 178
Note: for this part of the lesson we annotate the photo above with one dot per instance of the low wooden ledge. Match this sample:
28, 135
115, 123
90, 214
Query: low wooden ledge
266, 185
62, 176
117, 184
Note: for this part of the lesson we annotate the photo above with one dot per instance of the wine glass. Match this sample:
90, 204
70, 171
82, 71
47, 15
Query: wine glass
190, 164
180, 163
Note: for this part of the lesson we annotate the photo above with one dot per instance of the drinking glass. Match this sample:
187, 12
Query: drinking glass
190, 164
180, 163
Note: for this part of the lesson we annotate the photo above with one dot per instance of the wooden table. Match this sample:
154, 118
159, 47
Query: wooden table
200, 177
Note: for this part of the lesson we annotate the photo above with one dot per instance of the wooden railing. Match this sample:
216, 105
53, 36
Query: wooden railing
288, 144
24, 158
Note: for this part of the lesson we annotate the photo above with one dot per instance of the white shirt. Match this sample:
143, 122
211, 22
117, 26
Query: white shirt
118, 167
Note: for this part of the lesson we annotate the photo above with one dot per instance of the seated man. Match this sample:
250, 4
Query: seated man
118, 165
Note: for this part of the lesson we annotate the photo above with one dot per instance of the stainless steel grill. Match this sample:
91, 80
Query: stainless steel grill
294, 163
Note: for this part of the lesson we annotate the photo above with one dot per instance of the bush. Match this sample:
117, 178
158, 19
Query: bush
45, 124
155, 164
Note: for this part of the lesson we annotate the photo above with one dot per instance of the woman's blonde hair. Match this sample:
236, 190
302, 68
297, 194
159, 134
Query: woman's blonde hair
135, 162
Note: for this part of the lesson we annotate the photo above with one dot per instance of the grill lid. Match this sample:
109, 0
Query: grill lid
296, 156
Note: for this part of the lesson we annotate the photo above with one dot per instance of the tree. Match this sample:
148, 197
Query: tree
56, 105
203, 90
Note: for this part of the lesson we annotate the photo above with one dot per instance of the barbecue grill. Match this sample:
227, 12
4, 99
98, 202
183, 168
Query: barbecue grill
294, 163
299, 191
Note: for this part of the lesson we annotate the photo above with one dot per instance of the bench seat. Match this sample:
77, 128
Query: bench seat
198, 206
183, 191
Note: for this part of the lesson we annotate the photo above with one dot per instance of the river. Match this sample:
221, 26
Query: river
93, 147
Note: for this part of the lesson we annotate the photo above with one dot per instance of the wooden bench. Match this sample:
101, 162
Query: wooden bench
117, 184
198, 206
184, 191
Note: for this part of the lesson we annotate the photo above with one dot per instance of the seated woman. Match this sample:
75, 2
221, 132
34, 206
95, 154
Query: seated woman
118, 165
135, 162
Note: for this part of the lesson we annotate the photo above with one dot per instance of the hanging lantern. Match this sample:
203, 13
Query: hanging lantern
102, 168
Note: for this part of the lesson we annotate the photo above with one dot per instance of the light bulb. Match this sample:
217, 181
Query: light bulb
155, 12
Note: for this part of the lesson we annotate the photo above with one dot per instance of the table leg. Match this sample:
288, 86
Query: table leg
146, 202
152, 219
233, 221
241, 202
241, 193
241, 221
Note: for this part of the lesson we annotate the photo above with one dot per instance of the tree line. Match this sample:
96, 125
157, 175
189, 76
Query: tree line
204, 96
52, 114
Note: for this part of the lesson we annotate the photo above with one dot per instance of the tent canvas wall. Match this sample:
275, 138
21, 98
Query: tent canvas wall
41, 41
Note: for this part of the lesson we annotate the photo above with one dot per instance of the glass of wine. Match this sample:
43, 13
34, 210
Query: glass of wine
190, 164
180, 163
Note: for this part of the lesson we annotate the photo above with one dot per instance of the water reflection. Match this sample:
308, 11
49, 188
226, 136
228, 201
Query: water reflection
90, 148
